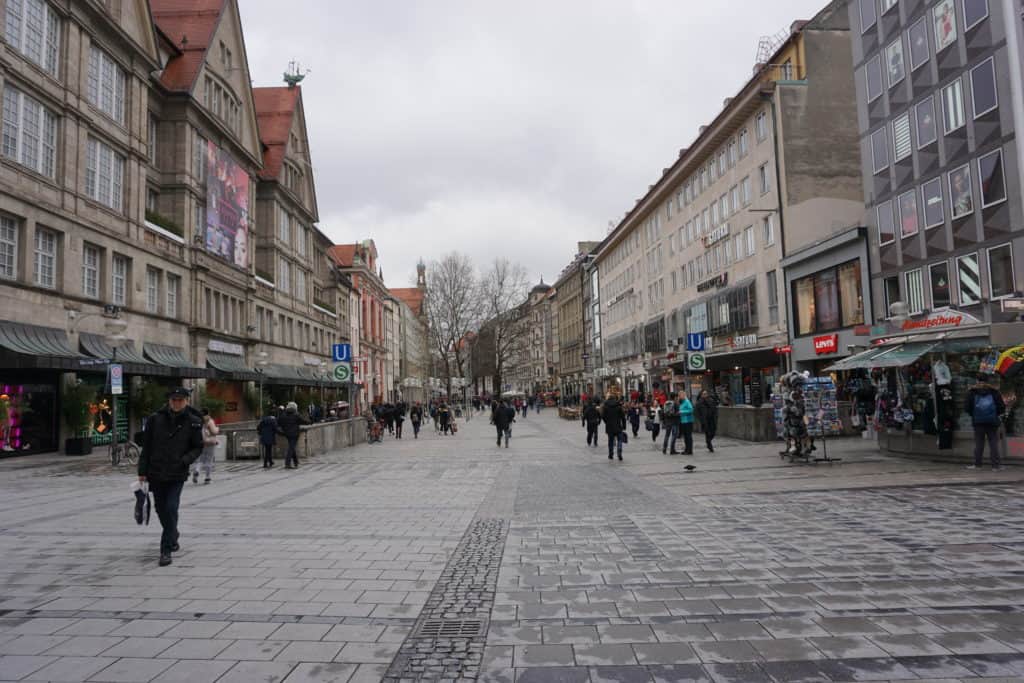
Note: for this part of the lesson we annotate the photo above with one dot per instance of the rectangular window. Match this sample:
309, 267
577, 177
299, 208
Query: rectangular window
975, 12
745, 190
748, 237
944, 22
901, 142
284, 277
851, 302
879, 151
868, 15
888, 5
915, 291
924, 114
931, 201
744, 142
961, 196
90, 271
153, 290
104, 174
803, 304
768, 231
723, 206
737, 244
969, 279
891, 293
909, 223
173, 292
119, 280
284, 232
8, 248
773, 297
151, 140
938, 274
198, 156
953, 106
300, 284
761, 126
1000, 271
990, 175
722, 164
105, 86
886, 225
32, 28
919, 52
895, 68
763, 178
873, 78
29, 133
984, 97
44, 263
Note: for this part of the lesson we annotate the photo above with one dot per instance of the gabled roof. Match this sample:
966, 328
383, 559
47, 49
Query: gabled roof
275, 110
194, 20
343, 254
411, 297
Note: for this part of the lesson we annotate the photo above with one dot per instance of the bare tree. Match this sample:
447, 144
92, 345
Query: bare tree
504, 289
454, 309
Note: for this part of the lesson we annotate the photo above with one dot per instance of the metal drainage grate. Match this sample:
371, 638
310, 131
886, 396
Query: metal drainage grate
444, 628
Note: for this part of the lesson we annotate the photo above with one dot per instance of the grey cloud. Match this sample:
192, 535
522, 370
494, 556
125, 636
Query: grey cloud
501, 128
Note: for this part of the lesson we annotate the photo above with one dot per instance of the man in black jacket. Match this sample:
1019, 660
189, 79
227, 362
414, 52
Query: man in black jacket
288, 425
172, 441
614, 423
591, 420
502, 417
986, 407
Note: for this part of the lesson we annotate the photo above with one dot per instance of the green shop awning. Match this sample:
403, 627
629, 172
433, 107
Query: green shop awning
860, 360
233, 367
35, 346
275, 373
902, 355
173, 357
134, 364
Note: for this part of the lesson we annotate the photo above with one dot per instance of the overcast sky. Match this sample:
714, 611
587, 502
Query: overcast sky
501, 128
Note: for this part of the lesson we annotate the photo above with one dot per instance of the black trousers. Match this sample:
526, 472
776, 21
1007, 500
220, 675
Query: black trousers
268, 454
983, 433
291, 456
613, 441
635, 426
655, 430
709, 433
686, 428
166, 498
415, 430
592, 434
398, 429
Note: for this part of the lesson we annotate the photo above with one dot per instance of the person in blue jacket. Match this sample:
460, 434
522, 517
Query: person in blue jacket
686, 422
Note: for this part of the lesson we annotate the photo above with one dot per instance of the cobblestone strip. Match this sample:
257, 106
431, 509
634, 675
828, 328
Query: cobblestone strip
447, 641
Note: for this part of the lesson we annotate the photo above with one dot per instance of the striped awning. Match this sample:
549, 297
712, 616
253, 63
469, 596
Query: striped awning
35, 340
174, 357
233, 367
134, 364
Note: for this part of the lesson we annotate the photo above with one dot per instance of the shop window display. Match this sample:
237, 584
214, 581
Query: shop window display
27, 418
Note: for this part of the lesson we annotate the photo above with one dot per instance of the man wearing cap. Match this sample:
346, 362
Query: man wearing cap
172, 441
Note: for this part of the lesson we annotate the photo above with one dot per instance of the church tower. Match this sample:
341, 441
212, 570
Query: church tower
421, 275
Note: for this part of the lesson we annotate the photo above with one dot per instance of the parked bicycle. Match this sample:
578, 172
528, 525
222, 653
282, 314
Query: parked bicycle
127, 453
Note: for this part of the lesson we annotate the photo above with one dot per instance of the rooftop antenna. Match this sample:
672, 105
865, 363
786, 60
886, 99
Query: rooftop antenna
294, 75
766, 47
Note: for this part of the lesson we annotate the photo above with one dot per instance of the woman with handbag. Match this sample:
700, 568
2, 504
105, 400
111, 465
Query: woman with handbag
205, 461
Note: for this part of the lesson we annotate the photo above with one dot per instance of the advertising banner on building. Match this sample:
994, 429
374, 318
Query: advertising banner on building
227, 207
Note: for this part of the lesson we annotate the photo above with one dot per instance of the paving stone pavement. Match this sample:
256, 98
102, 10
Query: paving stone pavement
447, 558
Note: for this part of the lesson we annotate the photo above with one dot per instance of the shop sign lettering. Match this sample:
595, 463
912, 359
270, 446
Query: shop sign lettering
782, 350
716, 235
828, 343
226, 347
743, 340
716, 282
942, 318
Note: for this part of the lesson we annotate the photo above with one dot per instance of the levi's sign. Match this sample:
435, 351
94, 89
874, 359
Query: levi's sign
716, 235
828, 343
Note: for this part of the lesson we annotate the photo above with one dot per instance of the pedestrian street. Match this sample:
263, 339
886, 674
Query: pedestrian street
449, 558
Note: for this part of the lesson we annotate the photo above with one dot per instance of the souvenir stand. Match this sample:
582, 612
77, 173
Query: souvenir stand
820, 413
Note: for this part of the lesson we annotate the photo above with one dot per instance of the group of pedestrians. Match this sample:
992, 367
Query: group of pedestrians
675, 417
287, 423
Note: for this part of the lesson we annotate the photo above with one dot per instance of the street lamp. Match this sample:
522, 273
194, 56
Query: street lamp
323, 378
261, 368
115, 338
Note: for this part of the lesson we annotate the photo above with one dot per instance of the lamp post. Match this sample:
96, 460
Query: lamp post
261, 368
323, 379
115, 338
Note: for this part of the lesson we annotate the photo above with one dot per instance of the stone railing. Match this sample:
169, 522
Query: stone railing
242, 442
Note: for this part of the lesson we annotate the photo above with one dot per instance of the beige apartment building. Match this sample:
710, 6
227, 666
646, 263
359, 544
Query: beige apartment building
571, 343
701, 252
132, 173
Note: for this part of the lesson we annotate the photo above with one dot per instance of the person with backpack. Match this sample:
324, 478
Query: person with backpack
670, 421
591, 420
416, 417
985, 406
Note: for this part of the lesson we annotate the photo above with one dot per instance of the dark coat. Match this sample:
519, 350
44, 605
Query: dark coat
170, 444
502, 416
980, 390
288, 424
591, 415
267, 429
614, 417
416, 414
669, 414
707, 412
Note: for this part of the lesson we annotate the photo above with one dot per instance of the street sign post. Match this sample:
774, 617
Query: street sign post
696, 360
116, 379
342, 372
341, 353
695, 341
